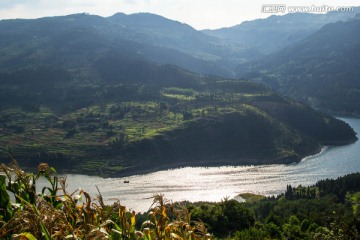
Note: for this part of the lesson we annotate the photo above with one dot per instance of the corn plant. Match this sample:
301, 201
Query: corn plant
5, 205
52, 177
21, 184
58, 214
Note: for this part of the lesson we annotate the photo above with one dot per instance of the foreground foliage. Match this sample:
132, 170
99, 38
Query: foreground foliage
327, 210
58, 214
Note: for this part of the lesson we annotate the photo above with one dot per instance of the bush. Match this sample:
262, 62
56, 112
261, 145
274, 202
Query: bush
225, 217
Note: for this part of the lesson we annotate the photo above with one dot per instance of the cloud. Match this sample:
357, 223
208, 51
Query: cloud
13, 3
10, 9
135, 1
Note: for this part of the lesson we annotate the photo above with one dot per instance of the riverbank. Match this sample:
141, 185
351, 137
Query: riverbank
171, 165
215, 183
146, 169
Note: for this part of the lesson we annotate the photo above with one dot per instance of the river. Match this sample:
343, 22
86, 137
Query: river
216, 183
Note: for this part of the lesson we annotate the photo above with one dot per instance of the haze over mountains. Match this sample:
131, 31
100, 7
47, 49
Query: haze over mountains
139, 36
277, 32
322, 69
113, 93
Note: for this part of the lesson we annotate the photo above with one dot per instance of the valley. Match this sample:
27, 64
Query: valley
81, 93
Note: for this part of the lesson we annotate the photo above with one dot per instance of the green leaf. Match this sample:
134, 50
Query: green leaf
147, 233
4, 200
53, 169
45, 231
115, 234
110, 222
24, 236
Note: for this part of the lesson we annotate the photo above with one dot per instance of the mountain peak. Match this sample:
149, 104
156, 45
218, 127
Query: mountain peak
143, 19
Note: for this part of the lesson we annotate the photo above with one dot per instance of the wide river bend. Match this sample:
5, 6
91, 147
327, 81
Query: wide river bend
216, 183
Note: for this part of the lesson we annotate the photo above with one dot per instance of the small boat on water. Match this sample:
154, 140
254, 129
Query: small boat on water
126, 181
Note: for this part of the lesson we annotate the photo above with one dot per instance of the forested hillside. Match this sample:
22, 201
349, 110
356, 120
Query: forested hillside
56, 40
153, 114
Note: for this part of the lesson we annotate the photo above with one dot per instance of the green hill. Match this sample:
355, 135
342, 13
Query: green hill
153, 117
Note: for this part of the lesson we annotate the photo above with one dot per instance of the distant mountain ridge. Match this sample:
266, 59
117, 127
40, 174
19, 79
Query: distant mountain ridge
162, 40
159, 31
56, 35
277, 32
322, 69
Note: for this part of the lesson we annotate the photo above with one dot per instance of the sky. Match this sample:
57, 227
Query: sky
200, 14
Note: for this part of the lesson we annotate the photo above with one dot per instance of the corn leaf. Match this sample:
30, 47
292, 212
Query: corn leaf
115, 234
24, 236
45, 231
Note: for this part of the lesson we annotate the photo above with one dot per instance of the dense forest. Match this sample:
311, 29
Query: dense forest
326, 210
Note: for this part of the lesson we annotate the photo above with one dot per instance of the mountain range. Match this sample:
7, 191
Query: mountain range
112, 96
279, 31
321, 70
138, 35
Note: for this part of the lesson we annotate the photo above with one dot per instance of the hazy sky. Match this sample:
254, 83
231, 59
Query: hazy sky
200, 14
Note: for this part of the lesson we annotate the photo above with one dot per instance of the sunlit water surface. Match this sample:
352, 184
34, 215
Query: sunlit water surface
215, 183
